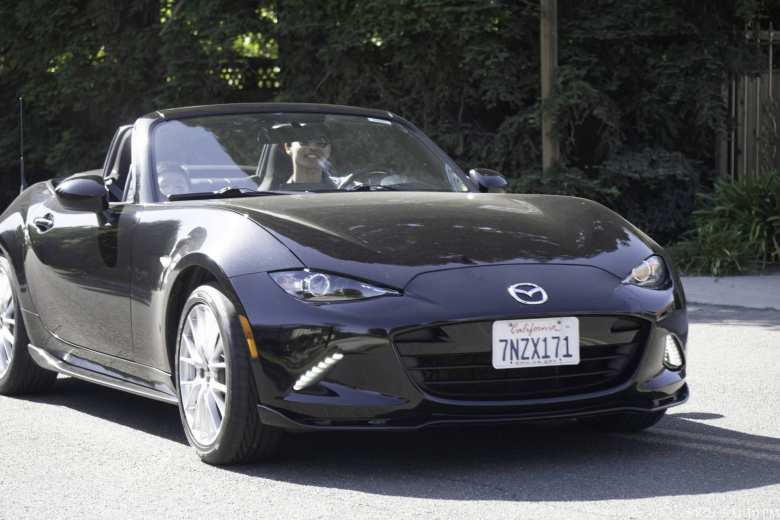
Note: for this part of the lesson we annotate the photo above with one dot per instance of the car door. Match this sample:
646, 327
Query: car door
79, 273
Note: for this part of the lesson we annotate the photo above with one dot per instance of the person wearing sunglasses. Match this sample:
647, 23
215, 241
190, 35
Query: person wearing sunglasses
311, 164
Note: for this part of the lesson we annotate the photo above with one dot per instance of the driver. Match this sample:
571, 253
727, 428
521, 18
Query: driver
310, 161
172, 179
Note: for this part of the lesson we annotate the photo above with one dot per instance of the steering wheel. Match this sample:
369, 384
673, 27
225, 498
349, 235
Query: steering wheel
362, 177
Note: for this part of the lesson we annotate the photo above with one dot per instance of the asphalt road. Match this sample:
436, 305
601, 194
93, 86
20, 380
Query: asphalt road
88, 452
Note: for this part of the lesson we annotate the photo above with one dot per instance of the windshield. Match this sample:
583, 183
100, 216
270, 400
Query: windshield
295, 152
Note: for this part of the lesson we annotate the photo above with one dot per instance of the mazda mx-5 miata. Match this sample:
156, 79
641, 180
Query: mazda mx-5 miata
294, 267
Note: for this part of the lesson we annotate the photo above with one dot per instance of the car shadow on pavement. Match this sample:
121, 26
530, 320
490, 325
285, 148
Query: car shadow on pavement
684, 454
560, 461
129, 410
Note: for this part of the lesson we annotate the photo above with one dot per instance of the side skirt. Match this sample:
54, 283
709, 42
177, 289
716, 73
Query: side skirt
50, 362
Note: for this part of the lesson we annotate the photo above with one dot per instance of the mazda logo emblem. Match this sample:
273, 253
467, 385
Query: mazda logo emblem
528, 293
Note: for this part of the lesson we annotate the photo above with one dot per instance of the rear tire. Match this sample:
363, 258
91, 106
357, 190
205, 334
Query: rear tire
624, 422
215, 386
19, 374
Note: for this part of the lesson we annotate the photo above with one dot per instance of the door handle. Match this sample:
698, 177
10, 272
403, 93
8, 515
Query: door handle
44, 223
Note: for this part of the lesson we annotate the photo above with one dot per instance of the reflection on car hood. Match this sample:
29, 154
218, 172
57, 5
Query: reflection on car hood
390, 237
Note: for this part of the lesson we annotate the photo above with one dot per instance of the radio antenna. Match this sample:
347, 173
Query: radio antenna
22, 178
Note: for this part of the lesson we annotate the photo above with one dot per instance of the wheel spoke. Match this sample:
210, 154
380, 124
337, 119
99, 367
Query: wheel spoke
202, 370
200, 327
189, 395
219, 387
218, 352
203, 413
188, 361
195, 422
191, 350
215, 417
7, 310
211, 337
5, 355
220, 402
5, 290
201, 342
214, 351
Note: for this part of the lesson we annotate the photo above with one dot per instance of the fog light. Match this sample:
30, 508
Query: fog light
316, 372
673, 356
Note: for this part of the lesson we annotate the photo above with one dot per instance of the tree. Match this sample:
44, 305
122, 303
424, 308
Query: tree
88, 66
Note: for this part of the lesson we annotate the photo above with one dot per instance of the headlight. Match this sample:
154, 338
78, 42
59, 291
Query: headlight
314, 286
650, 273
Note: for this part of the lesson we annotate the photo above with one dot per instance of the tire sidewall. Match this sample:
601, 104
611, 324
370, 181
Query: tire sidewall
236, 363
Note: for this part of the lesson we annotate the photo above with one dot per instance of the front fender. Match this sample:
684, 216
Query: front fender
170, 240
13, 242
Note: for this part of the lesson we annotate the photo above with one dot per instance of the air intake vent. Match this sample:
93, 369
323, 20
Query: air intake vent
454, 361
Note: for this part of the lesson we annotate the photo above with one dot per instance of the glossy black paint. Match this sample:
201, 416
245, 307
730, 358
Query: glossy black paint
85, 193
99, 287
391, 237
370, 388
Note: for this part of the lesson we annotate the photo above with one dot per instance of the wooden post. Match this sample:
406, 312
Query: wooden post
771, 58
549, 58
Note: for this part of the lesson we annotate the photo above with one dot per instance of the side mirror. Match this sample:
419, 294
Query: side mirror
488, 180
87, 193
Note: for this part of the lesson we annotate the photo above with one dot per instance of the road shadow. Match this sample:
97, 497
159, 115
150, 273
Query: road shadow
153, 417
559, 461
685, 454
728, 316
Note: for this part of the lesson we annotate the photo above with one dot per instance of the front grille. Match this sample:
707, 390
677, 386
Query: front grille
455, 361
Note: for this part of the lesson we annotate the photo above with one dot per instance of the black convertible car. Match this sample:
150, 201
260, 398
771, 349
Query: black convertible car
292, 267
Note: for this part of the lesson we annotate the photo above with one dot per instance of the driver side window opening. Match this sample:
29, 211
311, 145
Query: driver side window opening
129, 192
117, 178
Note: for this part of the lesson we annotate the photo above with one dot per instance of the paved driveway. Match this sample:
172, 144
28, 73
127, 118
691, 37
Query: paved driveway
88, 452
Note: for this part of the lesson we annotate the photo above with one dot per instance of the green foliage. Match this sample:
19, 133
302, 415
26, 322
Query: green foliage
736, 230
634, 76
645, 72
465, 71
654, 189
565, 181
657, 190
644, 75
69, 65
86, 66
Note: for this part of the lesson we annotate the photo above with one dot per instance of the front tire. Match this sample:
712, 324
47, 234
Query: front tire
216, 390
624, 422
19, 374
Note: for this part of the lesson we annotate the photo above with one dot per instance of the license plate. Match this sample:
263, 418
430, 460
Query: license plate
536, 343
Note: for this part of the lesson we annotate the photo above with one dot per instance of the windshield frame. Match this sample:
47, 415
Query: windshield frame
414, 133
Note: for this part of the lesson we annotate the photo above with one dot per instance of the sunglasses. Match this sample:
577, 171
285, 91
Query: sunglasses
321, 142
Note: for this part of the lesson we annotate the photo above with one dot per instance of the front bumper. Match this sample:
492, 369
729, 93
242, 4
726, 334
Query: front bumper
420, 420
371, 387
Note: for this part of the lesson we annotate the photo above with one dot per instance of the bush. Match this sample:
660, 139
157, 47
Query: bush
564, 181
737, 228
654, 189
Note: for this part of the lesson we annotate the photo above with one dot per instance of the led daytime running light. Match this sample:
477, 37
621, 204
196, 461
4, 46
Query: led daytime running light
317, 371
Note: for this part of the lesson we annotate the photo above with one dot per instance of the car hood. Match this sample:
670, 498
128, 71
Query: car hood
390, 237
